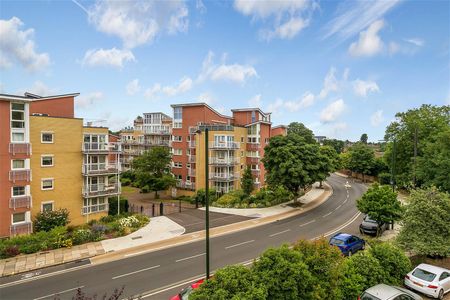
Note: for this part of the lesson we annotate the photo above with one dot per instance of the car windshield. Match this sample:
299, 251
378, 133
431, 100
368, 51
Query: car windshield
185, 293
336, 242
367, 296
369, 219
424, 275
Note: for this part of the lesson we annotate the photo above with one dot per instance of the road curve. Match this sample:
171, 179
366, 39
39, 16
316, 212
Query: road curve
161, 273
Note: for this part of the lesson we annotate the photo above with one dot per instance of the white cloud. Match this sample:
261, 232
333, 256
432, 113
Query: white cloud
39, 88
133, 87
338, 129
353, 17
330, 83
234, 72
255, 101
305, 101
288, 17
109, 57
275, 107
393, 48
377, 118
369, 42
332, 111
157, 89
362, 88
207, 98
415, 41
113, 122
18, 45
139, 22
85, 101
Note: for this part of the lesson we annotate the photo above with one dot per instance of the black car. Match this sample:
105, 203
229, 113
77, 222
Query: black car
370, 226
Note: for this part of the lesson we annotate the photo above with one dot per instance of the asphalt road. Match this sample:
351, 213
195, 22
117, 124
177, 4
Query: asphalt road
159, 274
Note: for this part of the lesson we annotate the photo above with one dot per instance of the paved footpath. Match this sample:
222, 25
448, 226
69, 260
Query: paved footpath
159, 230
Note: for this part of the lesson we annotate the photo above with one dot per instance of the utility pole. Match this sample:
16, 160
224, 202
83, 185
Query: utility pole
207, 199
415, 155
393, 167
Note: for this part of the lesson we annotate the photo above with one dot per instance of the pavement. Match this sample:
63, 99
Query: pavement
161, 231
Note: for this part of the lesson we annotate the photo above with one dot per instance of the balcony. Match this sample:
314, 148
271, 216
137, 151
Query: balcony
20, 175
189, 185
223, 189
103, 168
191, 172
253, 147
22, 228
20, 202
96, 190
223, 161
101, 148
191, 158
224, 145
252, 160
256, 172
224, 176
157, 131
20, 148
191, 144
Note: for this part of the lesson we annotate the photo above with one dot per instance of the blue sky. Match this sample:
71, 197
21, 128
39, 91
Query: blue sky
342, 68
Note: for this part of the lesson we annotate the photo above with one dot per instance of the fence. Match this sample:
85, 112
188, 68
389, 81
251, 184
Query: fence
155, 209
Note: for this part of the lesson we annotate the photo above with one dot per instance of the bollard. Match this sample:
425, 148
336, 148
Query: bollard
142, 209
153, 209
161, 209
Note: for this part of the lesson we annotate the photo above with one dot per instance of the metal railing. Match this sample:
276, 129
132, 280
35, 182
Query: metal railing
186, 185
20, 175
157, 131
191, 144
223, 161
93, 190
191, 158
20, 148
253, 146
20, 202
101, 168
223, 189
256, 172
191, 172
224, 176
252, 160
224, 145
22, 228
101, 147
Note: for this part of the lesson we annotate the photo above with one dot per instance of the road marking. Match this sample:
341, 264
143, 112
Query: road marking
281, 232
186, 258
138, 271
338, 207
324, 216
59, 293
135, 253
307, 223
353, 219
345, 201
232, 246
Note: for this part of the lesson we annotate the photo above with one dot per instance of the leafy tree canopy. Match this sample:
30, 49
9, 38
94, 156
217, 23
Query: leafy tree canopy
361, 158
338, 145
301, 130
247, 181
364, 138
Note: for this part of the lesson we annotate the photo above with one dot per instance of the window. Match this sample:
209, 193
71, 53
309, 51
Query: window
18, 218
242, 153
94, 205
17, 115
47, 137
444, 276
18, 191
47, 184
188, 165
188, 151
18, 164
242, 139
177, 138
403, 297
18, 137
253, 116
177, 152
47, 206
177, 124
177, 113
177, 164
179, 177
47, 161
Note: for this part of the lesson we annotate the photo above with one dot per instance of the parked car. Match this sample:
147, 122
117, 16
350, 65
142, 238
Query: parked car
429, 280
347, 243
370, 226
388, 292
184, 294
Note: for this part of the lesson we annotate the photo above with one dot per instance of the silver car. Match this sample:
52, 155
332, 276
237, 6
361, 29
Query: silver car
429, 280
388, 292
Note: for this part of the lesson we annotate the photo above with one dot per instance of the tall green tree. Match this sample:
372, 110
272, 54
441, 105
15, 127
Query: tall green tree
338, 145
247, 181
301, 130
418, 126
361, 159
153, 169
364, 138
426, 223
328, 162
381, 204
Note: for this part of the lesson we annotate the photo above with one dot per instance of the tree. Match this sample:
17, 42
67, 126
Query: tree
426, 225
153, 170
361, 159
328, 162
200, 196
364, 138
247, 181
338, 145
381, 204
302, 131
421, 125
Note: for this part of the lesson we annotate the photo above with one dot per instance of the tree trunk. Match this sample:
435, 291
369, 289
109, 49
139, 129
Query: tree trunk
156, 195
320, 185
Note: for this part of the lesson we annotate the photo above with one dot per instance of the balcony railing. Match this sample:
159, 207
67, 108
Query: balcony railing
225, 145
186, 185
157, 131
20, 148
223, 189
22, 228
256, 172
101, 147
20, 202
223, 161
224, 176
20, 175
191, 172
191, 144
102, 168
94, 190
252, 160
191, 158
253, 147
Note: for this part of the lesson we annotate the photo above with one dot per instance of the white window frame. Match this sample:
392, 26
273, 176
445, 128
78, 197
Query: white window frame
177, 152
177, 138
42, 184
177, 164
27, 218
26, 164
47, 202
48, 132
48, 155
27, 191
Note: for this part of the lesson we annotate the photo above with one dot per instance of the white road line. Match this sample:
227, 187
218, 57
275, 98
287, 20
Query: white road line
186, 258
324, 216
281, 232
59, 293
345, 201
135, 253
338, 207
232, 246
353, 219
138, 271
307, 223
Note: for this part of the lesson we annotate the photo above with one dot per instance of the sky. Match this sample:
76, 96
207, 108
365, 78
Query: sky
342, 68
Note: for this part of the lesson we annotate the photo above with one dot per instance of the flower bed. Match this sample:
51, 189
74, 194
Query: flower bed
60, 237
265, 197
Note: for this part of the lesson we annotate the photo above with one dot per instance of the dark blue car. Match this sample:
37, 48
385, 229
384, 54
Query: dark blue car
347, 243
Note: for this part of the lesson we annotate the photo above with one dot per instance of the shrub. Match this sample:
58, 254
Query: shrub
81, 236
125, 181
231, 198
47, 220
130, 221
384, 178
112, 202
145, 189
9, 251
392, 260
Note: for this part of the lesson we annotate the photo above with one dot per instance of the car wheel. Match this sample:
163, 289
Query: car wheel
441, 294
350, 253
363, 246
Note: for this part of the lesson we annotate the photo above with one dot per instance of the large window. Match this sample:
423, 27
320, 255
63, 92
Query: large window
17, 115
177, 113
18, 136
177, 124
177, 152
18, 218
94, 205
18, 164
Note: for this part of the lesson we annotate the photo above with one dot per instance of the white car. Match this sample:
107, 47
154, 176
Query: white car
429, 280
388, 292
